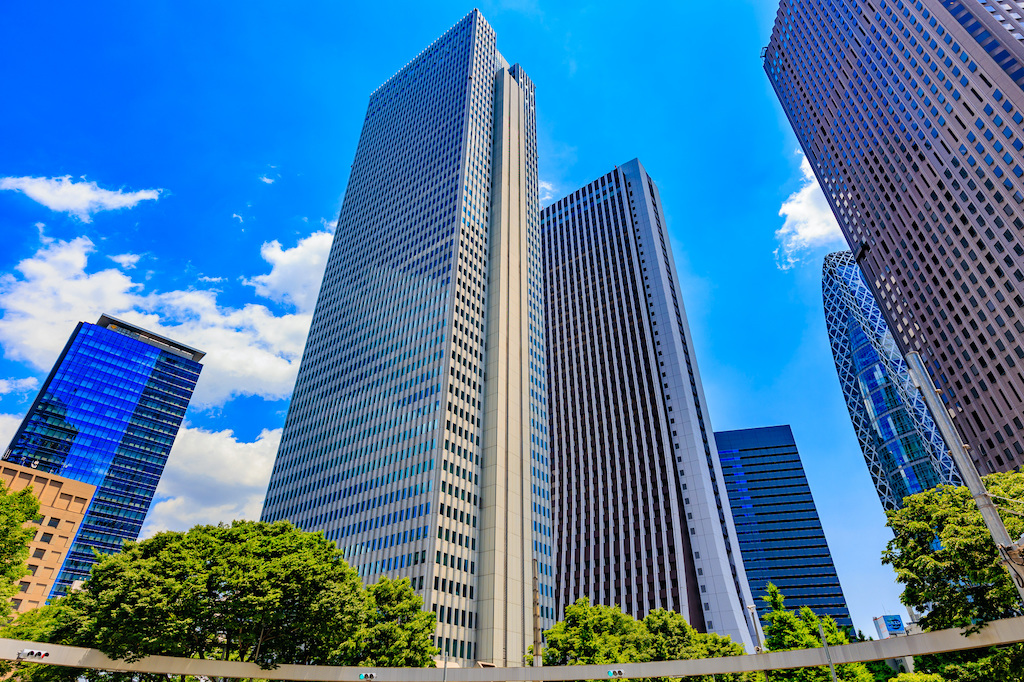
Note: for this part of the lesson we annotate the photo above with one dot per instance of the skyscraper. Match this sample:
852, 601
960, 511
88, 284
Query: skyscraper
107, 415
416, 434
777, 523
643, 519
910, 114
903, 448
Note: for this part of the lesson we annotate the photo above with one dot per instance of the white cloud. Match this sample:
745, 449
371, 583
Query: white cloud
18, 385
210, 477
80, 199
126, 260
9, 424
296, 273
250, 350
235, 215
547, 191
269, 181
330, 225
809, 221
204, 278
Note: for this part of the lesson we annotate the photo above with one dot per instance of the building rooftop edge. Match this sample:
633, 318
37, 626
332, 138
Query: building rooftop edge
473, 12
635, 159
154, 339
776, 427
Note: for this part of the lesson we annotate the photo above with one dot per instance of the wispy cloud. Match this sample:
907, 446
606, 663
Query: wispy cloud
235, 215
18, 386
80, 199
269, 181
126, 260
204, 278
809, 222
331, 224
547, 191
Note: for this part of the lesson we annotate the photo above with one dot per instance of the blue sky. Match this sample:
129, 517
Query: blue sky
180, 165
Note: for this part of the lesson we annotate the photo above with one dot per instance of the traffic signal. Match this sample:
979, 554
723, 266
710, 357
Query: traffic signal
367, 676
33, 653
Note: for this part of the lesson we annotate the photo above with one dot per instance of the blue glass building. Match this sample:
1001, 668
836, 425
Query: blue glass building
417, 436
107, 415
903, 448
911, 114
777, 524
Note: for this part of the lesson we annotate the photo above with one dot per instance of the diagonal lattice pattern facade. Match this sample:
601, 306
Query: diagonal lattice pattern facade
902, 446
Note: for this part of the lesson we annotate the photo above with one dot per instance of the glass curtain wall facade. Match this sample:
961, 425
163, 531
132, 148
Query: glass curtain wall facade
902, 447
416, 436
107, 415
643, 520
777, 523
911, 114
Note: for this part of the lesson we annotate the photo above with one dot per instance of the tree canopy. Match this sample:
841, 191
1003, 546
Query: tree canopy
395, 631
15, 509
799, 630
264, 593
595, 635
952, 573
945, 558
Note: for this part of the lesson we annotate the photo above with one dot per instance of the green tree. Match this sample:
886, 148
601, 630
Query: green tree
269, 594
945, 558
15, 510
36, 625
918, 677
673, 639
396, 630
951, 572
799, 630
604, 635
262, 593
595, 635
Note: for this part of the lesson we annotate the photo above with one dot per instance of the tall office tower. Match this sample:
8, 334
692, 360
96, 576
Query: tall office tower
416, 433
903, 448
910, 113
107, 416
636, 493
777, 523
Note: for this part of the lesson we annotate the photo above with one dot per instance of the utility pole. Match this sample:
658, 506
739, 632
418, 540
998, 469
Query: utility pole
757, 630
1010, 551
536, 617
824, 643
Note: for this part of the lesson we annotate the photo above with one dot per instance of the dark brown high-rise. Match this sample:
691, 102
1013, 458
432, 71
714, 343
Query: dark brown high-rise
911, 115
